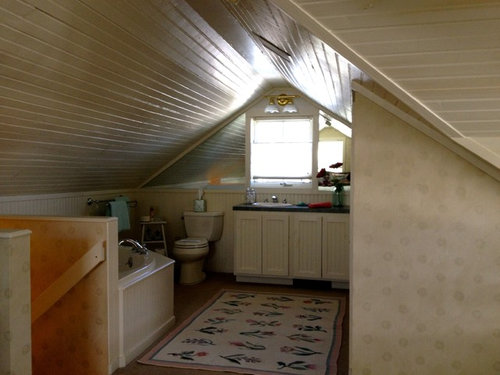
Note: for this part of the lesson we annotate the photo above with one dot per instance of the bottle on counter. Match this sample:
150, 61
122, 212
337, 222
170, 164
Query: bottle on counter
250, 196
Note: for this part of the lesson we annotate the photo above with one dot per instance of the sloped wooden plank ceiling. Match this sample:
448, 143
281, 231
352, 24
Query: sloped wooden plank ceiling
222, 155
313, 67
439, 57
102, 95
99, 95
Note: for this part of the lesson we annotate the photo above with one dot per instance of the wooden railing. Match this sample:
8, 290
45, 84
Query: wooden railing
68, 280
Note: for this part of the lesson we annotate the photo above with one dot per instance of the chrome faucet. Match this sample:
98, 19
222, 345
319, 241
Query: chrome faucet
275, 199
136, 246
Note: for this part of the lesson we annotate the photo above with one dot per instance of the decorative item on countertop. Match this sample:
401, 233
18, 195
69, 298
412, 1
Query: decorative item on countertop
200, 204
320, 205
337, 180
250, 196
338, 198
151, 213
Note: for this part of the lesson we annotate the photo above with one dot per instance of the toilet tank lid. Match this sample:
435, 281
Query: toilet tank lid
206, 213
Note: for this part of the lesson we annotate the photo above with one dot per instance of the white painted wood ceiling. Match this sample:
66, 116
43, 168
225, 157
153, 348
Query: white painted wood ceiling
102, 95
442, 58
313, 67
218, 160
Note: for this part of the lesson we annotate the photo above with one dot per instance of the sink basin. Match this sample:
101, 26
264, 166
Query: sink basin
271, 204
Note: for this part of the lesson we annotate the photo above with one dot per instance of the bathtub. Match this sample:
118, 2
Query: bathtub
146, 301
133, 266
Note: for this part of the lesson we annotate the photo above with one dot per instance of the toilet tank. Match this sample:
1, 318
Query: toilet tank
204, 224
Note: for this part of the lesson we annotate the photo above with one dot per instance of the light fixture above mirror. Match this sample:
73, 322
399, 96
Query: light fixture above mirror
282, 100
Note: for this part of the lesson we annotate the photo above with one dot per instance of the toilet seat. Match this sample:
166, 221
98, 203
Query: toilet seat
191, 243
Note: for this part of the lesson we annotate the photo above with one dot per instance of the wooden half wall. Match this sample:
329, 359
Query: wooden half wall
79, 333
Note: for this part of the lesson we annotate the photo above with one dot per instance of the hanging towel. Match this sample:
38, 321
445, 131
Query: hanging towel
119, 209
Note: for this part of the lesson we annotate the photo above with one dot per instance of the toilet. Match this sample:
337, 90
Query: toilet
190, 252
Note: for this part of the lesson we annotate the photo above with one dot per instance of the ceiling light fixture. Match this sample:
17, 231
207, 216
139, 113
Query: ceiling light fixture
272, 107
285, 101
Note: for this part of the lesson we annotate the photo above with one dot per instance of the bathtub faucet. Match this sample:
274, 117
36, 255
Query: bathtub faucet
135, 245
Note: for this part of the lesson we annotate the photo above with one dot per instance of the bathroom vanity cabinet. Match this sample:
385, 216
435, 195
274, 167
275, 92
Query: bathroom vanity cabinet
320, 246
262, 243
277, 247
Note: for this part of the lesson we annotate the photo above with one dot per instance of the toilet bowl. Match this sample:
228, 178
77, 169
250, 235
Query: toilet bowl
190, 253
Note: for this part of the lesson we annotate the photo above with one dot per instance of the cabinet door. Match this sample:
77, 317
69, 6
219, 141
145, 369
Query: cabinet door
306, 245
248, 245
336, 247
275, 244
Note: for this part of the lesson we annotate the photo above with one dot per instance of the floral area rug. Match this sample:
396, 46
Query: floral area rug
257, 333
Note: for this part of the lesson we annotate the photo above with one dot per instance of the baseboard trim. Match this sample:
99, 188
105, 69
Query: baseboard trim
264, 280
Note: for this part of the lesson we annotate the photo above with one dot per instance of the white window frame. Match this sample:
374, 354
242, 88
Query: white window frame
297, 188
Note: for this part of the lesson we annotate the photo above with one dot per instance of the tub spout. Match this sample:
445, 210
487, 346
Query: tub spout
136, 246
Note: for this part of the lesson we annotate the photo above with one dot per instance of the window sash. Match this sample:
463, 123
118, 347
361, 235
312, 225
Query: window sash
281, 151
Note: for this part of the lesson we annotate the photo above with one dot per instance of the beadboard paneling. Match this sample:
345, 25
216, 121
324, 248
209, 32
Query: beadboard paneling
313, 67
99, 95
439, 58
170, 205
223, 154
70, 204
103, 95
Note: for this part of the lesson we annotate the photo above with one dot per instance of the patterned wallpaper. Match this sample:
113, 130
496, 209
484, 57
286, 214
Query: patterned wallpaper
15, 312
426, 254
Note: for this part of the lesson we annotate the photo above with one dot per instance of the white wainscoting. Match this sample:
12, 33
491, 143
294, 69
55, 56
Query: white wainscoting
67, 204
169, 204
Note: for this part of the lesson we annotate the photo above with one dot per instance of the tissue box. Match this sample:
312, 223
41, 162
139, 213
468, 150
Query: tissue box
200, 205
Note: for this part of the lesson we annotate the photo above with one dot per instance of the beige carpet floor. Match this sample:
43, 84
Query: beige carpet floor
189, 298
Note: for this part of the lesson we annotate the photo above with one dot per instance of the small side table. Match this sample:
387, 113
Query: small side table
150, 237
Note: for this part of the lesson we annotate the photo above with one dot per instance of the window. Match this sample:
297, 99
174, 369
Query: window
290, 151
281, 151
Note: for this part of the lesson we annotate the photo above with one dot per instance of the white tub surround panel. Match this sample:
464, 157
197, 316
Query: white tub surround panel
146, 311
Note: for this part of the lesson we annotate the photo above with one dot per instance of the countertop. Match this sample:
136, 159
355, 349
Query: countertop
293, 208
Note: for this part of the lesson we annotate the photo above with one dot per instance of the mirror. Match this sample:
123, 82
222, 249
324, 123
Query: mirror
334, 153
